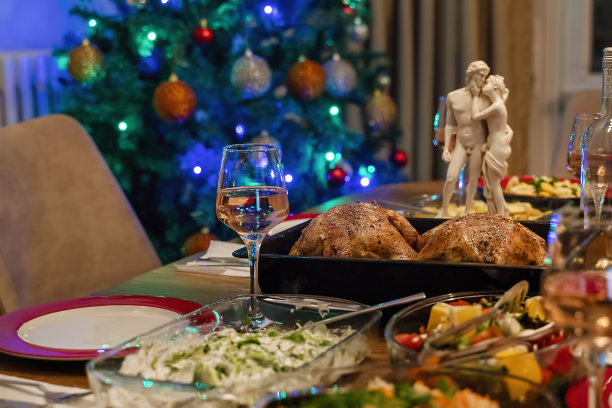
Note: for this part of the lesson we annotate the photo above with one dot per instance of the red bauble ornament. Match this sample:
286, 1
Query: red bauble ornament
203, 34
336, 177
348, 9
399, 158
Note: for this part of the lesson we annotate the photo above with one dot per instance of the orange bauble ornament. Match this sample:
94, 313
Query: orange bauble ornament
306, 80
198, 242
174, 100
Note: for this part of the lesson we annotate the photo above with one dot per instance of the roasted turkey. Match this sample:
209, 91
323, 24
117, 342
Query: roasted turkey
482, 238
360, 230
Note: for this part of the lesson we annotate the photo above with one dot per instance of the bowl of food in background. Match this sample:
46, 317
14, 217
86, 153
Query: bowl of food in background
205, 358
530, 346
422, 387
428, 206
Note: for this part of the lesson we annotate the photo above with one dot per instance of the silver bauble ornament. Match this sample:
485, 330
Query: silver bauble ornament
265, 138
341, 76
359, 31
251, 75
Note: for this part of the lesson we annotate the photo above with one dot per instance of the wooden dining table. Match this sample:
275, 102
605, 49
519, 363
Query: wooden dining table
202, 288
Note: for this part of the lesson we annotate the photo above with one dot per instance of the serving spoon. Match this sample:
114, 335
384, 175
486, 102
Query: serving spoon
401, 301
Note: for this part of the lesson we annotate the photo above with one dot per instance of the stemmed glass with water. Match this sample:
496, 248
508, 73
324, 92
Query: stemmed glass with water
251, 199
577, 285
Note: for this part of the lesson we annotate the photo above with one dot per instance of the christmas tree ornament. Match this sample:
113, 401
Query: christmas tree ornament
85, 63
203, 35
251, 75
358, 31
136, 3
346, 167
380, 111
306, 80
174, 100
198, 242
336, 177
399, 158
265, 138
341, 76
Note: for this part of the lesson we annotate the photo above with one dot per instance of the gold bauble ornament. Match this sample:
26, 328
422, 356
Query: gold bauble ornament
174, 100
380, 111
86, 63
306, 80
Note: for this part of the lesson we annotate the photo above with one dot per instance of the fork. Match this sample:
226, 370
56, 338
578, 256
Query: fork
51, 397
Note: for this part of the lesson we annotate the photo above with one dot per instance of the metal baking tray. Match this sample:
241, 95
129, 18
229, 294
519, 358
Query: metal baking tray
373, 281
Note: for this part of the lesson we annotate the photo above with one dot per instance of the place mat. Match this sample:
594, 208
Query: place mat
24, 395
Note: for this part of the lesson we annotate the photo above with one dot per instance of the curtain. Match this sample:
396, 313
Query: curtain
431, 43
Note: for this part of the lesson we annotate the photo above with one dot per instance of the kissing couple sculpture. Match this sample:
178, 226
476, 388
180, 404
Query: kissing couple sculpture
477, 118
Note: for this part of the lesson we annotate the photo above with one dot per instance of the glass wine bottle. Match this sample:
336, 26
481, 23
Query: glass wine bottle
596, 162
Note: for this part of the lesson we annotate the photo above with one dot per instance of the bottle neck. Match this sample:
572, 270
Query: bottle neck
606, 100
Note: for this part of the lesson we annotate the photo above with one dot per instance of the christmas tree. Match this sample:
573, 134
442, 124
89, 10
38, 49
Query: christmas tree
163, 85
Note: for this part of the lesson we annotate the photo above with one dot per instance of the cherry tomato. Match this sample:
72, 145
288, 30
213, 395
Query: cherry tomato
412, 341
563, 361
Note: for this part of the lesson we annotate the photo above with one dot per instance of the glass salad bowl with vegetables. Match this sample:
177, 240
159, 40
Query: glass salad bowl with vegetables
456, 329
204, 359
448, 387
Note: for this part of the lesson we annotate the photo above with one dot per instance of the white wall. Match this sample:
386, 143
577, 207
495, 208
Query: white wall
36, 24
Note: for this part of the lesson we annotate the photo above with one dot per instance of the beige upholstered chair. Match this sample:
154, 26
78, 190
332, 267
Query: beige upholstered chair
587, 101
66, 229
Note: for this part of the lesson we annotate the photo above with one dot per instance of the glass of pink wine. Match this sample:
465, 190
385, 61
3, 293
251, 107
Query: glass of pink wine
577, 287
251, 199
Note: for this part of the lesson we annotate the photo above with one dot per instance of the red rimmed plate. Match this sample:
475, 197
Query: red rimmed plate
576, 396
80, 329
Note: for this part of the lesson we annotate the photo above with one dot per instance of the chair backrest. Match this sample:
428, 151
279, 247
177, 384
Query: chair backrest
586, 101
66, 228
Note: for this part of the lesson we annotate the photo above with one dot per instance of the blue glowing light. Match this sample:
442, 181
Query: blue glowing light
93, 22
151, 36
164, 1
197, 170
239, 130
268, 9
330, 156
364, 182
147, 384
288, 178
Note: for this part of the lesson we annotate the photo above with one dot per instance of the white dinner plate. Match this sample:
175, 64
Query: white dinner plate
93, 327
81, 329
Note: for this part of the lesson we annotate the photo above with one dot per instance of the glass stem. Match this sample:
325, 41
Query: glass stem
595, 362
252, 246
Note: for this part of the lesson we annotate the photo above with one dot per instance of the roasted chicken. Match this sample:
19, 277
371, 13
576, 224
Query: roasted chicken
482, 238
360, 230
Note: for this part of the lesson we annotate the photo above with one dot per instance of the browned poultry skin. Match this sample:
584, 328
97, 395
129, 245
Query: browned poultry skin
482, 238
360, 230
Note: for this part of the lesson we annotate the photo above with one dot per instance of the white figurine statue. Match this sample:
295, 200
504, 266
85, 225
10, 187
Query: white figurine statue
470, 136
497, 148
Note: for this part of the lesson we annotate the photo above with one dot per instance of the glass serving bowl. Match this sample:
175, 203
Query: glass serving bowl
115, 384
455, 382
547, 361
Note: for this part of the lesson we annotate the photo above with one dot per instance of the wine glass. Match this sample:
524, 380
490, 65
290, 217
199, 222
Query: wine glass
577, 286
580, 125
251, 199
